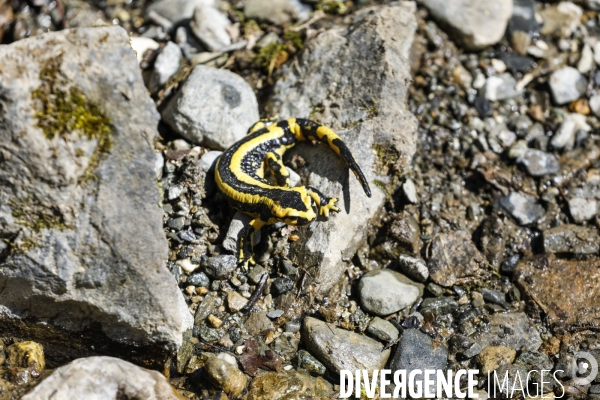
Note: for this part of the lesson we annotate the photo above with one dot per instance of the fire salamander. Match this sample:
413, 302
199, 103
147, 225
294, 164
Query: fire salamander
240, 175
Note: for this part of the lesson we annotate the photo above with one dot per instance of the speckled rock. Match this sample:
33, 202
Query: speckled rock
292, 384
539, 163
86, 230
493, 357
341, 349
522, 332
103, 378
569, 238
483, 25
214, 107
383, 292
582, 209
454, 259
374, 50
566, 85
567, 291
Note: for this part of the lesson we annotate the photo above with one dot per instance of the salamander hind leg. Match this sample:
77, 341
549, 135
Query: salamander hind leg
275, 164
325, 204
246, 244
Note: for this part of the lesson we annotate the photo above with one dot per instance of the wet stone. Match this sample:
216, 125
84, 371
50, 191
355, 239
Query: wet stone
340, 349
512, 330
539, 163
417, 350
471, 351
567, 291
309, 363
455, 260
219, 267
574, 239
522, 207
286, 345
383, 292
495, 297
438, 305
566, 85
382, 330
198, 279
225, 375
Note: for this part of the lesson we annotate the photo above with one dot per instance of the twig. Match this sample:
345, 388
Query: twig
257, 292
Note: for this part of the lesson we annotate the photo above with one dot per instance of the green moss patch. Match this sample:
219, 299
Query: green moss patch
61, 111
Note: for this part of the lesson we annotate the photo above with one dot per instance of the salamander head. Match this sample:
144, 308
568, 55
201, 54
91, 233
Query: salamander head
298, 207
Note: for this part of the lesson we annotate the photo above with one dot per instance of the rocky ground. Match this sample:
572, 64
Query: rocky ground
474, 121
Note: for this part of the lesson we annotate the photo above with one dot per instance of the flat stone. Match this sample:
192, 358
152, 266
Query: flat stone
566, 290
382, 330
582, 209
165, 67
569, 238
500, 87
455, 260
103, 378
566, 85
88, 239
384, 292
483, 25
512, 330
380, 135
340, 349
292, 384
539, 163
416, 350
522, 207
236, 301
214, 107
209, 25
239, 221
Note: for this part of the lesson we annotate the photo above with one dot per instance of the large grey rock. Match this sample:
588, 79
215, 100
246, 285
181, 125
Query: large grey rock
340, 349
214, 107
355, 82
474, 24
415, 351
79, 199
384, 292
209, 25
103, 378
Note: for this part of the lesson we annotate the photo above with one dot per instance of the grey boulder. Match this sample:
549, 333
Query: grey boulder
86, 252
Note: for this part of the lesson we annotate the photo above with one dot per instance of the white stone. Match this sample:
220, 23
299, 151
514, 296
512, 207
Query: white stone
582, 209
210, 26
187, 265
586, 61
567, 84
410, 191
165, 67
141, 45
208, 159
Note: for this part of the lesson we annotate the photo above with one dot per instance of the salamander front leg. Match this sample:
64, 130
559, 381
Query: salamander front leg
325, 204
246, 244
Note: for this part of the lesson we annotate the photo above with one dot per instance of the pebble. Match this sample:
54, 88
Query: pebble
493, 357
594, 104
292, 326
482, 26
410, 191
471, 351
177, 10
175, 191
239, 221
282, 285
417, 351
311, 364
219, 267
27, 354
456, 260
438, 305
187, 265
210, 26
341, 349
235, 301
225, 376
539, 163
214, 321
565, 135
382, 330
383, 292
523, 208
208, 159
186, 236
586, 61
523, 18
495, 297
582, 209
165, 67
198, 279
561, 20
258, 324
566, 85
521, 332
414, 268
141, 45
573, 239
277, 12
500, 87
214, 107
275, 314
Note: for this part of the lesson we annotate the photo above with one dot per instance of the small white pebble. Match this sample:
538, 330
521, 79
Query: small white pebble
227, 357
410, 191
498, 65
240, 349
187, 265
288, 367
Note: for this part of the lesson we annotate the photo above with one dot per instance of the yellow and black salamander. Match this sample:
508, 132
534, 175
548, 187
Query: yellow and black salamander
240, 175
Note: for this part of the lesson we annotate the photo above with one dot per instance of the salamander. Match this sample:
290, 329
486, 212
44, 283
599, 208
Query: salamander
240, 175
